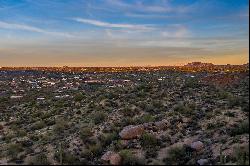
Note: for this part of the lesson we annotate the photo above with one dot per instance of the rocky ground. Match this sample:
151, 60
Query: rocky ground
178, 120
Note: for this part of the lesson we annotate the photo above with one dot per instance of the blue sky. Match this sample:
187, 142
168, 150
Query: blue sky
122, 32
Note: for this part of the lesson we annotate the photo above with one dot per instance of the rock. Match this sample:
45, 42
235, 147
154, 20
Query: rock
115, 159
160, 125
202, 162
198, 146
107, 155
131, 132
147, 125
111, 158
186, 120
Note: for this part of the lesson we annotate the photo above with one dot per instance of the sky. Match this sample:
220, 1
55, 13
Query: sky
123, 32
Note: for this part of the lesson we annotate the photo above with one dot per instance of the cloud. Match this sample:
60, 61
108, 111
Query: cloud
150, 16
176, 31
139, 6
6, 25
111, 25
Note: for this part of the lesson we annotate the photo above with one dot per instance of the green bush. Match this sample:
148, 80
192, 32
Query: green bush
129, 159
79, 97
95, 149
99, 117
176, 155
230, 114
92, 151
222, 94
67, 158
241, 155
106, 139
38, 125
21, 133
191, 83
128, 112
40, 159
234, 101
60, 125
148, 140
1, 127
146, 118
14, 149
85, 133
243, 128
9, 136
185, 109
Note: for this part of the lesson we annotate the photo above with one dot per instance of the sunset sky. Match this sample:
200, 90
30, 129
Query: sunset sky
123, 32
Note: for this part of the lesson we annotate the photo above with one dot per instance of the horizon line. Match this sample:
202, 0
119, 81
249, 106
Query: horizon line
176, 65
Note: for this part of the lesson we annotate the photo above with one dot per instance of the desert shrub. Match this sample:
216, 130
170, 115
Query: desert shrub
117, 145
99, 117
14, 149
212, 125
128, 111
222, 94
241, 129
93, 151
79, 97
191, 83
38, 125
157, 103
127, 121
149, 108
40, 159
107, 139
50, 122
26, 143
34, 137
128, 158
184, 109
47, 115
60, 125
234, 101
8, 137
85, 133
241, 155
177, 155
145, 118
21, 133
245, 107
67, 158
230, 114
148, 140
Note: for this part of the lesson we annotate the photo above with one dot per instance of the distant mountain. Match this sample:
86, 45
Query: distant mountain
199, 64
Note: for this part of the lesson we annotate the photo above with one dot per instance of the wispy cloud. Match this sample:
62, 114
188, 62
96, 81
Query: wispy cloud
112, 25
150, 16
6, 25
176, 31
139, 6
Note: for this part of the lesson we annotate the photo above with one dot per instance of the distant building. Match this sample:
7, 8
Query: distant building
16, 97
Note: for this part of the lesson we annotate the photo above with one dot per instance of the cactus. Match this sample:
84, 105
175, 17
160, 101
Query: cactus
222, 158
61, 156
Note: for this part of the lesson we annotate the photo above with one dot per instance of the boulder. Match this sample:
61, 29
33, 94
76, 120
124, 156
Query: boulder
160, 125
202, 162
115, 159
131, 132
197, 146
111, 158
